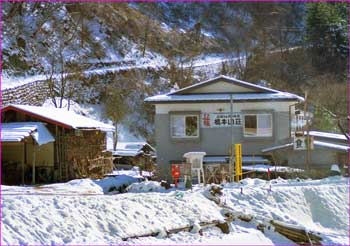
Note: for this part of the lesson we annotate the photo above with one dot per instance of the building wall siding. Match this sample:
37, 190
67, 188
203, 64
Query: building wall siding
224, 107
214, 141
318, 158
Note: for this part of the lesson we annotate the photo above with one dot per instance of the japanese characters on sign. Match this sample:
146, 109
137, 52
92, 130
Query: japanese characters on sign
221, 120
300, 143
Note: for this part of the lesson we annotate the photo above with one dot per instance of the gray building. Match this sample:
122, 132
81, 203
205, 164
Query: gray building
327, 149
211, 115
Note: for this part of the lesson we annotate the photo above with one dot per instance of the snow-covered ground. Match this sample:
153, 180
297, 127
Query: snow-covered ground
83, 212
317, 205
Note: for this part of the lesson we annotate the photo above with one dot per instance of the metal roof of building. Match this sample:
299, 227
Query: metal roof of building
60, 116
225, 159
16, 132
236, 97
329, 145
131, 149
262, 93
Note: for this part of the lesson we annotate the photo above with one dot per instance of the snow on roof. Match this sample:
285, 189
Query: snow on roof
332, 145
224, 97
62, 116
226, 78
129, 153
131, 148
16, 132
224, 159
327, 135
133, 145
273, 148
316, 143
262, 94
265, 168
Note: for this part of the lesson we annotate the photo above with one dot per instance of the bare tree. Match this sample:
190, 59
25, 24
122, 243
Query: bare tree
116, 100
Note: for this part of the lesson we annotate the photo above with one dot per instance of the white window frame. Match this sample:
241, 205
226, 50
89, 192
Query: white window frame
184, 123
257, 124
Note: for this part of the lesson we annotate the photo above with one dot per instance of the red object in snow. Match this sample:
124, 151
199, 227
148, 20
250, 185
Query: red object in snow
175, 170
268, 173
175, 173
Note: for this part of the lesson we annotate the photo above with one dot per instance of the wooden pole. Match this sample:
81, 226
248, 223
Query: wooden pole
307, 160
64, 152
57, 142
23, 160
33, 164
232, 141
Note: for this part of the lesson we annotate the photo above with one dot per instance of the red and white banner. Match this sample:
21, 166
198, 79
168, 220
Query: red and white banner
210, 120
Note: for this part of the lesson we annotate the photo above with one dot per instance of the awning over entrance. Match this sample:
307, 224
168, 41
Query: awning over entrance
16, 132
226, 159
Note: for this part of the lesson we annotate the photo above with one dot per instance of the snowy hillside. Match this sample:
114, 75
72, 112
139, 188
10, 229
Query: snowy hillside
82, 212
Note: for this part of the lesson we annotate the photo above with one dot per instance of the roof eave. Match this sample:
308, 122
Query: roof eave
54, 122
221, 101
226, 79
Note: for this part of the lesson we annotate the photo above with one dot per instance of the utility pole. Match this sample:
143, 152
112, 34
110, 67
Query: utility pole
232, 140
306, 117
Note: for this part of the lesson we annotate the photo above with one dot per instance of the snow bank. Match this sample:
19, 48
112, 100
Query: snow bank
59, 219
320, 205
86, 216
147, 186
74, 187
243, 234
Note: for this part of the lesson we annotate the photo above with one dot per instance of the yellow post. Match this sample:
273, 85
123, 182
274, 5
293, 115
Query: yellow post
238, 162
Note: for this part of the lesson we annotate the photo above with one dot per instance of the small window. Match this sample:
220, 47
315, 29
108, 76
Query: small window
184, 126
258, 125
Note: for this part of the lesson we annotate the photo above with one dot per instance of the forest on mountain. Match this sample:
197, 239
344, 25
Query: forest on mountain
120, 53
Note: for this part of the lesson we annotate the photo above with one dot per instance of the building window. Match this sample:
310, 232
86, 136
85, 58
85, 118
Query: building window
258, 125
184, 126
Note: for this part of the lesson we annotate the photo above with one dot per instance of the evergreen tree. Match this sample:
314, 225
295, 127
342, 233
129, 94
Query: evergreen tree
327, 35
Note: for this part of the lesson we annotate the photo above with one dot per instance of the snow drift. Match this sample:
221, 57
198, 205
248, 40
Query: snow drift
320, 205
49, 215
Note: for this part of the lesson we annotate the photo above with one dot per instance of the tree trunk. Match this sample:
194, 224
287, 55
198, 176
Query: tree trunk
115, 137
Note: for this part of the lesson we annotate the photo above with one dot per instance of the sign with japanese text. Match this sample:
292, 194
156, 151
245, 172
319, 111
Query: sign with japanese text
210, 120
300, 143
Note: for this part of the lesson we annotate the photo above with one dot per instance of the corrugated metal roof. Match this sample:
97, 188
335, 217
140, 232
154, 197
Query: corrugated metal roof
131, 148
63, 116
225, 159
316, 143
223, 97
262, 94
16, 132
327, 135
228, 79
123, 152
332, 145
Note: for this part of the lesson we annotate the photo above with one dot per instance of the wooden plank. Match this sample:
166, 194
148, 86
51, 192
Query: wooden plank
223, 226
296, 234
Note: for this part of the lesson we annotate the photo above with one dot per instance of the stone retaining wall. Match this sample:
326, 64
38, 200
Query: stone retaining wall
34, 93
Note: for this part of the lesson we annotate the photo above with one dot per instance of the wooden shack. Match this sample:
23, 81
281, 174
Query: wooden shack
27, 152
79, 147
129, 154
